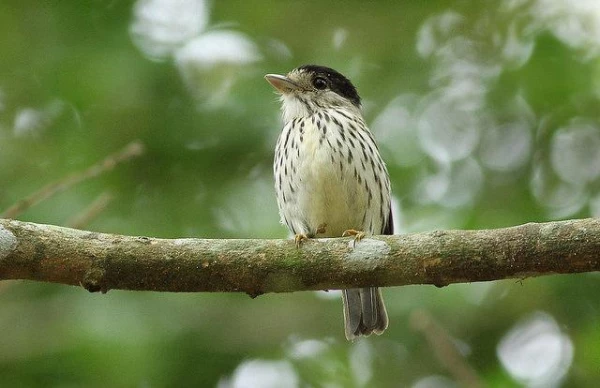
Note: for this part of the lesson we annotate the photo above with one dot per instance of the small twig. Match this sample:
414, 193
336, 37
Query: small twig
83, 218
445, 350
133, 149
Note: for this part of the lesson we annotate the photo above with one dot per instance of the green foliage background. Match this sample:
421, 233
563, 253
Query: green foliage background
486, 112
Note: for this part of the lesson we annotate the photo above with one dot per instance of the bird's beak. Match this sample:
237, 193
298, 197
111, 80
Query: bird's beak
282, 83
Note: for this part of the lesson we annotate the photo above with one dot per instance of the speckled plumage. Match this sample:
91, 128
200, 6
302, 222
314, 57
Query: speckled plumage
329, 175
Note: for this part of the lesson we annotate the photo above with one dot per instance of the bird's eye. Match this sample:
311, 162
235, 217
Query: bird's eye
320, 83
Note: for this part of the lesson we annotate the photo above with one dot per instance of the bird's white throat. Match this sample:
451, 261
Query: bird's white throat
293, 106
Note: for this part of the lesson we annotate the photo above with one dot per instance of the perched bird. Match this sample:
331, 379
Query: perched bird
329, 176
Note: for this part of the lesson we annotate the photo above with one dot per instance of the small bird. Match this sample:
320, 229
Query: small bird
329, 176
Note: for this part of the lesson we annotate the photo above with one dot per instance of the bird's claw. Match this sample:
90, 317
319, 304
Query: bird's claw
299, 238
358, 235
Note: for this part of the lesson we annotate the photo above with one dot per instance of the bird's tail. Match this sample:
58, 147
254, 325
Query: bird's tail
364, 312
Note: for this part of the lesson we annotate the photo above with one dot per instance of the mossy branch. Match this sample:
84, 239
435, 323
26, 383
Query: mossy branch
101, 262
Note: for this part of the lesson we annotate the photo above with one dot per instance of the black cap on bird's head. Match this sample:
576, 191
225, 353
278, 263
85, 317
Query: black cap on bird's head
315, 79
334, 80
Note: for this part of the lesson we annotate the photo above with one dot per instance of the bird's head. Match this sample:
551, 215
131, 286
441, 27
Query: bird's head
309, 88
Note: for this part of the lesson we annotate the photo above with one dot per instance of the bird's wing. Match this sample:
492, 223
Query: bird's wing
389, 226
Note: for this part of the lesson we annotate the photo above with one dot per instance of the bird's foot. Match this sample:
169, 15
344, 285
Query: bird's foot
358, 235
299, 238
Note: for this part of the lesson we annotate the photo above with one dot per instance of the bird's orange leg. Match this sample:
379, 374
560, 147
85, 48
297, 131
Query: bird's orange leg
299, 238
358, 235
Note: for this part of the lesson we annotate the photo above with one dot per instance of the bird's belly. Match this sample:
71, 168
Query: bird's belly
329, 196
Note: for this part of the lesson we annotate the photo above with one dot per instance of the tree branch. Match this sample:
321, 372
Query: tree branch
131, 150
445, 349
100, 262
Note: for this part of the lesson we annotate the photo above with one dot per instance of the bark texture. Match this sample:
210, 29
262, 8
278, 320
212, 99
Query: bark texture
101, 262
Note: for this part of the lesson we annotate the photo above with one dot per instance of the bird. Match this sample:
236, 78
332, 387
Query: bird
330, 178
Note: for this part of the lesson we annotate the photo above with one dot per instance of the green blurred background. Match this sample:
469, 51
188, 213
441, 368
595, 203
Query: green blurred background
487, 115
